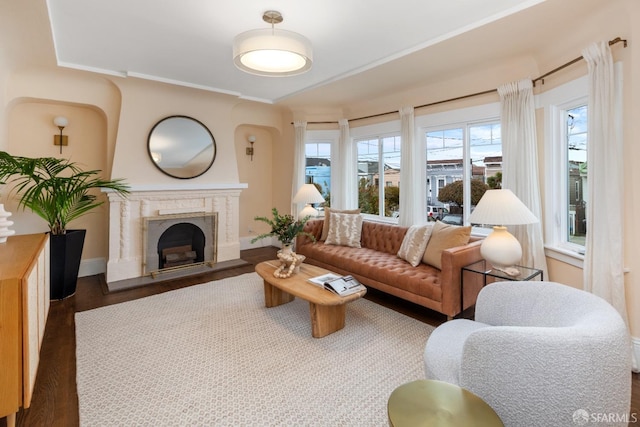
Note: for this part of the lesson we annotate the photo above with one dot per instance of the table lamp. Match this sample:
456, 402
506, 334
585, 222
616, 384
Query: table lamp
500, 208
308, 194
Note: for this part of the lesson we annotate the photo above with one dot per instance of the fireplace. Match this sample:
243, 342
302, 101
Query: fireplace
129, 260
179, 241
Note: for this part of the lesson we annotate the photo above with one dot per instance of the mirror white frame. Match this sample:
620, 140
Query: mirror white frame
181, 147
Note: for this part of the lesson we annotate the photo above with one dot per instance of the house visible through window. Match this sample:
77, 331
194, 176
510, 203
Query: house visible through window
379, 161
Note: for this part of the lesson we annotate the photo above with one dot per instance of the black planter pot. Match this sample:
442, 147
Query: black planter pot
66, 252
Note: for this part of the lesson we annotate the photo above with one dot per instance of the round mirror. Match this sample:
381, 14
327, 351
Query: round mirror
181, 147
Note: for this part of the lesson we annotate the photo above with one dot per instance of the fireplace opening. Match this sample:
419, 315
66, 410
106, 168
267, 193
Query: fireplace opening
181, 244
179, 240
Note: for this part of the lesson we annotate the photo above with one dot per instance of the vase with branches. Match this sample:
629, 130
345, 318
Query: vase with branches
284, 227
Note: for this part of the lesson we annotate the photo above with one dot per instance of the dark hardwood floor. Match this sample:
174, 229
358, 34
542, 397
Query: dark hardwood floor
55, 398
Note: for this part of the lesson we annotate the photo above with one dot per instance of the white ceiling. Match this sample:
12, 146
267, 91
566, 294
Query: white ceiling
189, 42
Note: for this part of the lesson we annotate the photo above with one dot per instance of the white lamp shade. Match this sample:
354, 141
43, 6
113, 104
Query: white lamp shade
501, 207
308, 193
271, 52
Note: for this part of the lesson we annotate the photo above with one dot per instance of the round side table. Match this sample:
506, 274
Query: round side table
437, 403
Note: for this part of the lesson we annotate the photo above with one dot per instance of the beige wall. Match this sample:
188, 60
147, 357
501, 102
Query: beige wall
109, 121
31, 132
256, 200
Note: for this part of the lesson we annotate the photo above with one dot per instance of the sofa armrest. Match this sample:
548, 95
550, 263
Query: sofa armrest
453, 260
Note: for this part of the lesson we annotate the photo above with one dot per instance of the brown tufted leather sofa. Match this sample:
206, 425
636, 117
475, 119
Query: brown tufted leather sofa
377, 265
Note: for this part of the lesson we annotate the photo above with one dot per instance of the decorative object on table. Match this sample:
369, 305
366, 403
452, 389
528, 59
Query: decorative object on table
286, 229
5, 224
308, 194
289, 262
500, 208
57, 190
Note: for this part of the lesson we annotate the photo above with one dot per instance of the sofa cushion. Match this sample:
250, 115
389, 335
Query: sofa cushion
344, 229
444, 236
415, 243
327, 219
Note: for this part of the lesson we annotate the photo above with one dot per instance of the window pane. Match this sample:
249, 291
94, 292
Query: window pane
368, 176
577, 176
379, 176
444, 166
391, 171
318, 166
486, 154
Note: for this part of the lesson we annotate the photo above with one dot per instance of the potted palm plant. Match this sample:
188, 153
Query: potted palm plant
58, 191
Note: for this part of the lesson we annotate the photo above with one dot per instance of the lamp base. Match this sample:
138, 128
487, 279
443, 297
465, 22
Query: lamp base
501, 249
308, 210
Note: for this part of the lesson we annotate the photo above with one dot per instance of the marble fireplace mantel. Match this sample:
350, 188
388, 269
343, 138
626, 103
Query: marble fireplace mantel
126, 218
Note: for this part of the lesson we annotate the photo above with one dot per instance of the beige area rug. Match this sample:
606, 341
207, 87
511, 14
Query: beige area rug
213, 355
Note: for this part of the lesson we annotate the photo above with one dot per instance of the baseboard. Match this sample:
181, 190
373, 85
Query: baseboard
635, 345
93, 266
245, 243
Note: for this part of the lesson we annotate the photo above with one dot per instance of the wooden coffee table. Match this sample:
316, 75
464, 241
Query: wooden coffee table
326, 308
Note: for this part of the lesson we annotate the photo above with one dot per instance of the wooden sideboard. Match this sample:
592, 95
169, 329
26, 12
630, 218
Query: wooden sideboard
24, 306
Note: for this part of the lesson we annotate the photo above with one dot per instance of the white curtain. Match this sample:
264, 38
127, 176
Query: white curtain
299, 162
603, 261
520, 165
412, 188
345, 192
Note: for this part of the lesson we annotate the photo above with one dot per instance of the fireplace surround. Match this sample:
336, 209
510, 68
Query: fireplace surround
127, 219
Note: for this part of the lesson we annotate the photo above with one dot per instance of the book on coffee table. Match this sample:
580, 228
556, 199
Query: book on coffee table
341, 285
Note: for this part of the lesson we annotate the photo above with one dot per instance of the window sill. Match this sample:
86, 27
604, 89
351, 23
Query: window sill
565, 255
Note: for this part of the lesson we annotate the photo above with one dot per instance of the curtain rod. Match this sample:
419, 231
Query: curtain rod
573, 61
485, 92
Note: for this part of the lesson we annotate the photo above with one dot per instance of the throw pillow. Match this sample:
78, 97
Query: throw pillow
344, 230
444, 236
415, 243
327, 219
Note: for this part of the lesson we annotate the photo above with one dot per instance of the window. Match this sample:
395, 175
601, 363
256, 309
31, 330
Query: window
379, 161
463, 160
565, 170
318, 166
576, 170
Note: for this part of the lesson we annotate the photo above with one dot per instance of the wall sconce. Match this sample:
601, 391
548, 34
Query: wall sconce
60, 140
251, 139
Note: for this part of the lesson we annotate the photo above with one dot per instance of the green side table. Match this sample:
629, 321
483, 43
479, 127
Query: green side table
437, 403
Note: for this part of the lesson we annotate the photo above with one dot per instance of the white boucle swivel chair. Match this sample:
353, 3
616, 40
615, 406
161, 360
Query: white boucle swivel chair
538, 352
